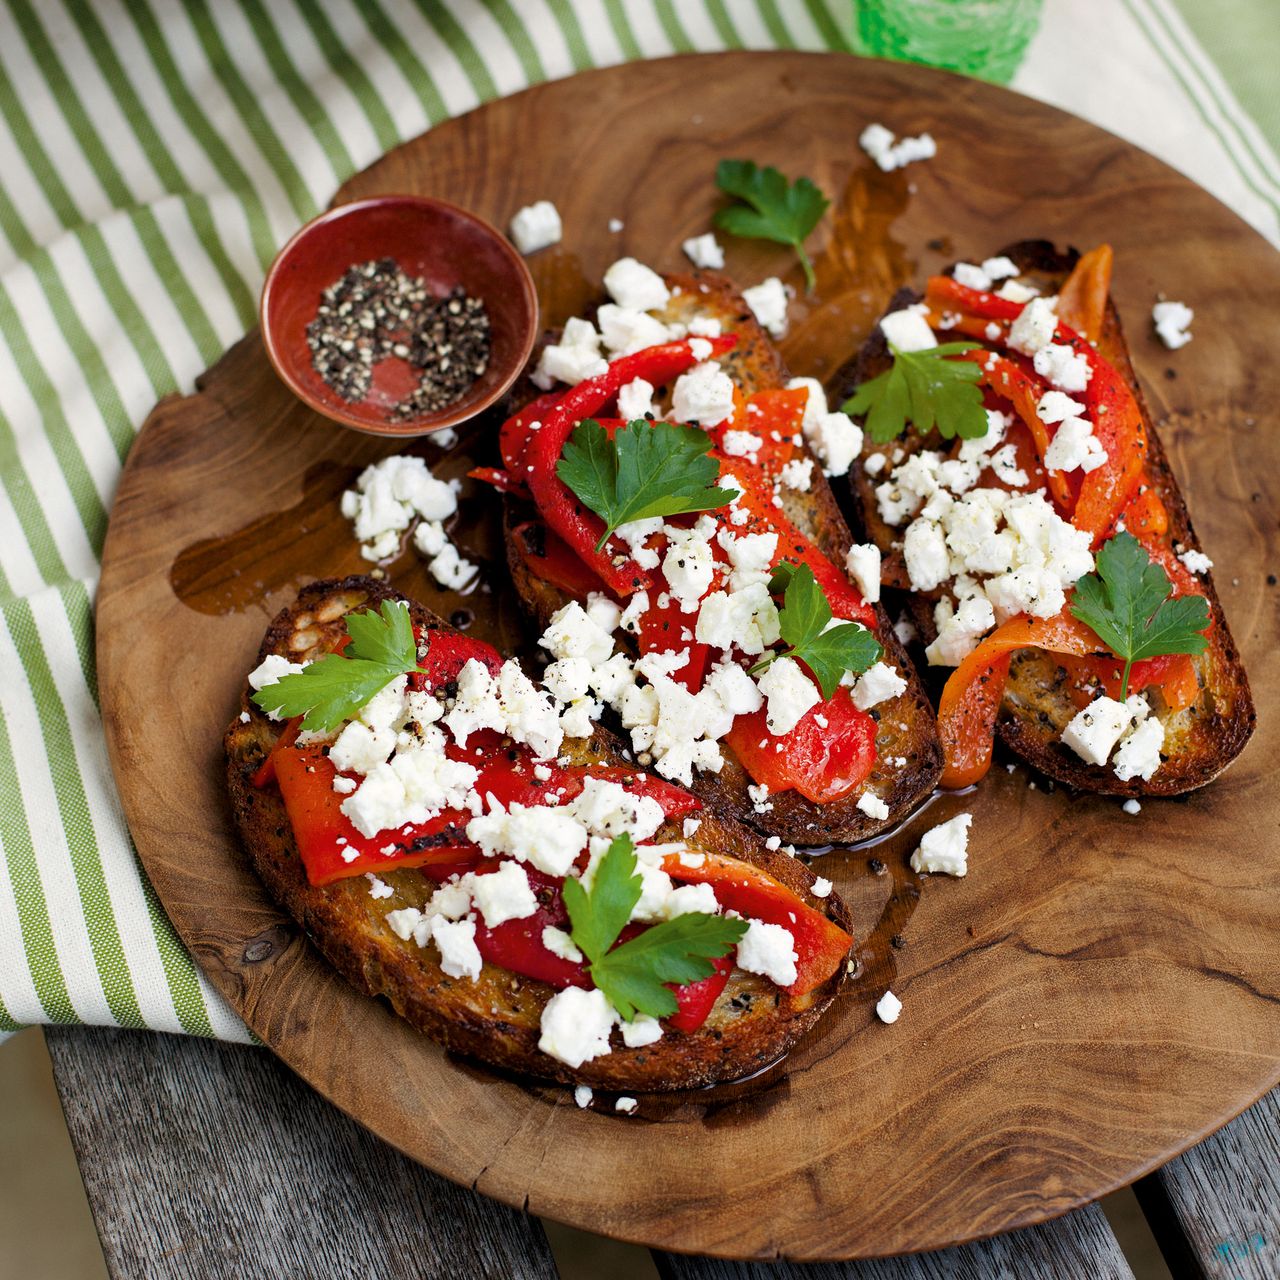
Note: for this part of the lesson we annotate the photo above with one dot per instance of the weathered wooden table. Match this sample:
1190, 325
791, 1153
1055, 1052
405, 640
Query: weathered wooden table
206, 1160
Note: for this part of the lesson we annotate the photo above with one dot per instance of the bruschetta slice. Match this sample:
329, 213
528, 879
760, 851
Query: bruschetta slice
752, 730
1049, 561
525, 898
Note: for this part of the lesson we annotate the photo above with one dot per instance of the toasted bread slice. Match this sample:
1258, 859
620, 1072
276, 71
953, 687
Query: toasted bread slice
907, 729
496, 1018
1201, 740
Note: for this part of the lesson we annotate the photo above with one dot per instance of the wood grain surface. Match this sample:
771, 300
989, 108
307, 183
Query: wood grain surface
206, 1161
1100, 992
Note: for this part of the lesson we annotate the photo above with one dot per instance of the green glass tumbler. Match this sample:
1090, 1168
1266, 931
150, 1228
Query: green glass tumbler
985, 38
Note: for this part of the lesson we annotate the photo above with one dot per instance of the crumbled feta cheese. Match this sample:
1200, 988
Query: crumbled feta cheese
504, 894
1063, 367
797, 474
925, 549
271, 669
768, 303
359, 749
1131, 807
746, 619
888, 1007
548, 839
573, 633
877, 684
821, 888
836, 440
878, 142
1195, 561
908, 330
633, 285
1000, 268
689, 565
1016, 291
1074, 445
456, 941
770, 950
560, 944
790, 695
751, 556
624, 331
624, 1104
1096, 729
378, 888
703, 395
642, 1030
635, 399
1034, 327
607, 808
945, 848
1056, 406
583, 1093
704, 251
742, 444
576, 1026
972, 277
450, 570
536, 226
1139, 753
959, 630
691, 899
1173, 323
863, 563
873, 806
573, 359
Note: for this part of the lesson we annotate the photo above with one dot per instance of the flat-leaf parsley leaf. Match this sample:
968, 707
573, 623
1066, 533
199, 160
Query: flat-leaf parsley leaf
646, 469
1128, 603
803, 619
926, 389
334, 688
773, 209
633, 976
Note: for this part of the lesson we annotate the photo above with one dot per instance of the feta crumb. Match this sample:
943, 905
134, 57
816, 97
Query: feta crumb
768, 303
378, 888
504, 894
576, 1026
1131, 807
560, 944
1196, 561
1034, 327
863, 563
615, 225
633, 285
1095, 730
1062, 367
790, 695
879, 143
836, 440
704, 251
1074, 445
877, 684
456, 941
873, 806
1173, 323
888, 1007
1139, 753
536, 226
821, 888
583, 1093
945, 848
907, 330
626, 1105
703, 395
770, 950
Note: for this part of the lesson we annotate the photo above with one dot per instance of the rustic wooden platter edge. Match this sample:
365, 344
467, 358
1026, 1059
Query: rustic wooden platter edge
1099, 993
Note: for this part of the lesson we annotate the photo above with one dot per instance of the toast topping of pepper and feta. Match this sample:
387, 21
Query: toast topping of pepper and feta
423, 748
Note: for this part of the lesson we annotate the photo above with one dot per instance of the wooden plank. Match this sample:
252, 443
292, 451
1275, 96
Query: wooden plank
1080, 1244
208, 1161
1216, 1209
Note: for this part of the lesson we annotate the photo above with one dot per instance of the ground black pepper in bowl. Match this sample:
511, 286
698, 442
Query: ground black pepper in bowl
377, 312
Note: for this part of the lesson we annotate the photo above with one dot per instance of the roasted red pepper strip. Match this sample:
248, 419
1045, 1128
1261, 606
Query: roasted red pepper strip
696, 1000
326, 837
517, 944
1174, 674
822, 762
821, 944
266, 771
558, 505
514, 434
664, 630
501, 480
972, 695
548, 558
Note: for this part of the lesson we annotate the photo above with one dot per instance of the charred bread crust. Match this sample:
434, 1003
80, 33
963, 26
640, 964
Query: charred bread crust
495, 1019
1201, 740
907, 729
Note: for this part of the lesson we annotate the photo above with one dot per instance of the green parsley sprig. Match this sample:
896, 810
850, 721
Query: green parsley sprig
334, 688
633, 976
926, 389
646, 469
803, 619
1128, 603
772, 208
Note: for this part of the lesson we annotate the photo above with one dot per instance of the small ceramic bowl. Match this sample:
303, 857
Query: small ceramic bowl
447, 247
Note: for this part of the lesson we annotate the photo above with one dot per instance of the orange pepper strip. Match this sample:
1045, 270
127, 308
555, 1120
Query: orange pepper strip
1082, 300
1024, 392
971, 698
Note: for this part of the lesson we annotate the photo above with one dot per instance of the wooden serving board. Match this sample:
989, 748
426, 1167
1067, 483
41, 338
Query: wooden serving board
1100, 992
